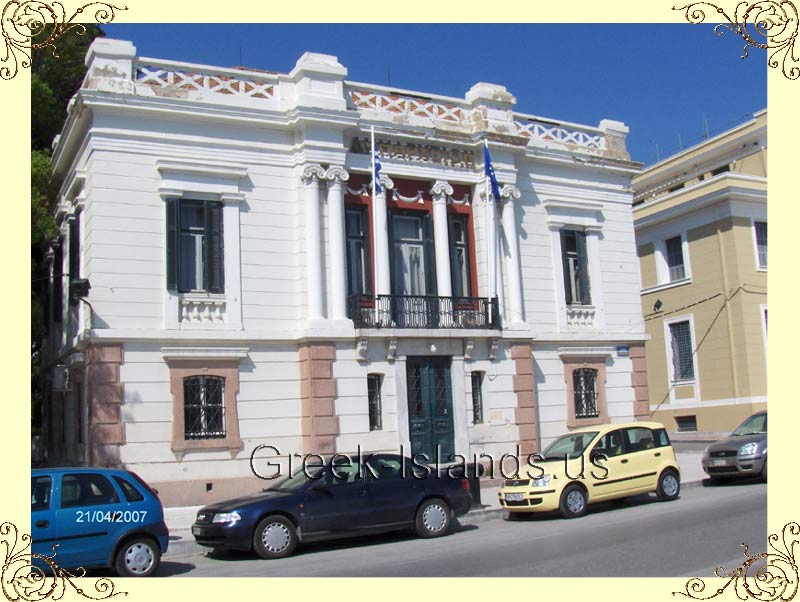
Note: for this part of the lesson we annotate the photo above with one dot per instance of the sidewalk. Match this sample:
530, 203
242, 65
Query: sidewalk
179, 520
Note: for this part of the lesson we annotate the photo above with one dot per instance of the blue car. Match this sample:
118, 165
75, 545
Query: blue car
97, 517
387, 492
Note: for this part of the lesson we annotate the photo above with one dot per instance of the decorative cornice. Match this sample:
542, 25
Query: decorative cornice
215, 170
572, 352
204, 353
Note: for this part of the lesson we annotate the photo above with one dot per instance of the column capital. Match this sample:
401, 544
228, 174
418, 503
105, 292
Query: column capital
337, 174
441, 190
509, 192
386, 182
312, 174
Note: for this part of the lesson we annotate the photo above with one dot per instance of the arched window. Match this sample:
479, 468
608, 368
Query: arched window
204, 407
584, 386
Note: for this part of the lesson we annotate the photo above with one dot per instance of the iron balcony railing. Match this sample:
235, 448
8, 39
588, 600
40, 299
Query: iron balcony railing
414, 311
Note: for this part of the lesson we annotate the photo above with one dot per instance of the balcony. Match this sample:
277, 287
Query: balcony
408, 311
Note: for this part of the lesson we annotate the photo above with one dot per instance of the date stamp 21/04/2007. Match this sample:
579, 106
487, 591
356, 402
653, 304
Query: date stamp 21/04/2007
110, 516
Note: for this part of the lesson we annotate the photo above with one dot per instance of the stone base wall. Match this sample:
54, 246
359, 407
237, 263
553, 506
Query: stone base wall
320, 425
526, 412
105, 394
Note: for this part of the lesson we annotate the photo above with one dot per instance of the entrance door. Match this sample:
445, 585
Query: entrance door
430, 408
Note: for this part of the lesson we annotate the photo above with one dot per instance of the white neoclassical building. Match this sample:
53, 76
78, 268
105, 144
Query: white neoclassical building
226, 279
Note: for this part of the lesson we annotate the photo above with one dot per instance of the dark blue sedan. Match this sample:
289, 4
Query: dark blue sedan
387, 492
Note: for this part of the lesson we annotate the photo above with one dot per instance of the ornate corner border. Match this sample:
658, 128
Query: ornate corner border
23, 20
21, 580
766, 576
774, 22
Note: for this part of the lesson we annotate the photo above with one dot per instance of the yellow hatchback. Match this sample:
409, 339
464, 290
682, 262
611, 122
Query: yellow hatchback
594, 464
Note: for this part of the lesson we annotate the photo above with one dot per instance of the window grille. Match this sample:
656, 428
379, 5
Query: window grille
584, 382
204, 407
374, 399
681, 340
477, 397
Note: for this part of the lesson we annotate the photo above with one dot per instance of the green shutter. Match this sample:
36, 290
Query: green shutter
583, 269
214, 256
172, 244
565, 265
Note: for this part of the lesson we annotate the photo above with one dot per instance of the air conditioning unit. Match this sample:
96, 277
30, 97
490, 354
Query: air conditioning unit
61, 378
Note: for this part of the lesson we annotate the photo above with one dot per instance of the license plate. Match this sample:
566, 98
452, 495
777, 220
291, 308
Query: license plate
197, 531
515, 497
720, 462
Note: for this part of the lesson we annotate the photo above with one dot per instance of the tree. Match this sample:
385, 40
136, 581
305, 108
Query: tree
56, 76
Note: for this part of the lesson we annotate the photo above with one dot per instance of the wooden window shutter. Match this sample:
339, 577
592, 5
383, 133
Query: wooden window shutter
172, 244
214, 255
583, 269
565, 266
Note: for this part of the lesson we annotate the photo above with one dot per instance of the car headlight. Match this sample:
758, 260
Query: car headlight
748, 449
229, 518
542, 481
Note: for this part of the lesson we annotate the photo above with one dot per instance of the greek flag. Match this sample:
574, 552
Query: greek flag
489, 170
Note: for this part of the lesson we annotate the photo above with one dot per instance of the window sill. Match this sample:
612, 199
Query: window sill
230, 443
665, 286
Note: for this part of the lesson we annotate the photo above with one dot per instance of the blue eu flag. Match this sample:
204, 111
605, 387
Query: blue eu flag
489, 170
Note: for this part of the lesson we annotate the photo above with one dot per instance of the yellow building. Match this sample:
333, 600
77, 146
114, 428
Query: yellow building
701, 231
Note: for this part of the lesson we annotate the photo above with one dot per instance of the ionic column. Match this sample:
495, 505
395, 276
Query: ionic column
336, 177
383, 284
508, 194
312, 174
440, 190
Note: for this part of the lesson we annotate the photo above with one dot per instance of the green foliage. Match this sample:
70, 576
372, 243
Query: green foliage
57, 74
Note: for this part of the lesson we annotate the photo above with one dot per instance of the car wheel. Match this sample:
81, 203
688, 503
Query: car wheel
764, 471
669, 485
433, 518
274, 537
138, 557
573, 502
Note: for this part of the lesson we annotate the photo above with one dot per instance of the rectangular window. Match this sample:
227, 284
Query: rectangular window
686, 423
374, 401
477, 397
194, 246
584, 387
41, 487
681, 342
86, 489
204, 407
459, 256
761, 243
677, 270
359, 266
576, 274
412, 247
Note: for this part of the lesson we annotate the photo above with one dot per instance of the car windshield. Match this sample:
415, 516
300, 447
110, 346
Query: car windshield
572, 445
297, 480
755, 425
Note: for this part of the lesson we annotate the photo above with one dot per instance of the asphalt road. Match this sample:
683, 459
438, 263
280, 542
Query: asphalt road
640, 537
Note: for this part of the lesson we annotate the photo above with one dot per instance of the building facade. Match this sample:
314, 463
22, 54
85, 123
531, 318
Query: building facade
701, 231
226, 280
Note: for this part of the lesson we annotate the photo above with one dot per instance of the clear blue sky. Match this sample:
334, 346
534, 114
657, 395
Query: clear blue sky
664, 81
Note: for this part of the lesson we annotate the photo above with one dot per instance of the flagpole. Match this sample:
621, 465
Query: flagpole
374, 220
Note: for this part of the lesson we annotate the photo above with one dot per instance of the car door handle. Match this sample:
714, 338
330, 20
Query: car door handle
623, 461
42, 524
658, 454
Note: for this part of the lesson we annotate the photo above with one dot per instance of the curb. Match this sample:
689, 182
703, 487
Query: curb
186, 546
